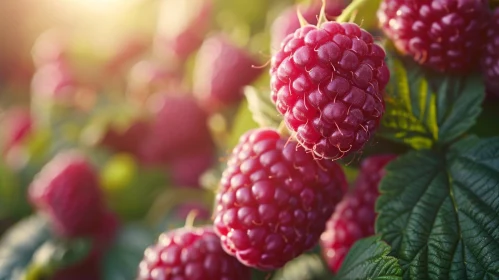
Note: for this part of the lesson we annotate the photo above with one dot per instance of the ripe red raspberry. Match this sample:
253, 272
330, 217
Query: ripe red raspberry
288, 21
179, 124
274, 199
446, 35
187, 169
354, 217
191, 254
328, 83
221, 71
67, 191
490, 59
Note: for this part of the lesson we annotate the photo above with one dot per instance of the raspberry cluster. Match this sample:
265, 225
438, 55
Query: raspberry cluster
274, 199
328, 83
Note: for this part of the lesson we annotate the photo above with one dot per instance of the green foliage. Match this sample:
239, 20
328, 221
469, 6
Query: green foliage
263, 111
368, 259
425, 108
19, 244
243, 122
54, 255
304, 267
121, 261
12, 196
439, 211
362, 12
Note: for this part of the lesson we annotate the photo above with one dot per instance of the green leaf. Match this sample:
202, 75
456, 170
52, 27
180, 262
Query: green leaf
122, 260
19, 244
362, 12
56, 254
243, 121
263, 111
305, 267
440, 211
425, 108
368, 259
12, 195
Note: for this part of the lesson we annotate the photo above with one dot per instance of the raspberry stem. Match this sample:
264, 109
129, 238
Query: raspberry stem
303, 21
191, 217
322, 16
350, 11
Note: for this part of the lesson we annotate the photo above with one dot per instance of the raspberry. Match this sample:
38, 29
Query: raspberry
221, 71
179, 125
445, 35
68, 192
490, 59
354, 216
288, 21
274, 199
187, 169
193, 254
328, 83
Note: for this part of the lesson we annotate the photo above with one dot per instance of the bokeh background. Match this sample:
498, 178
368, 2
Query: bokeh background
154, 93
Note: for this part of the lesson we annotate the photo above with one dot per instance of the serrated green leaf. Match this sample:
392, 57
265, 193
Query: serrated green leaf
122, 260
263, 111
19, 244
362, 12
425, 108
440, 211
368, 259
